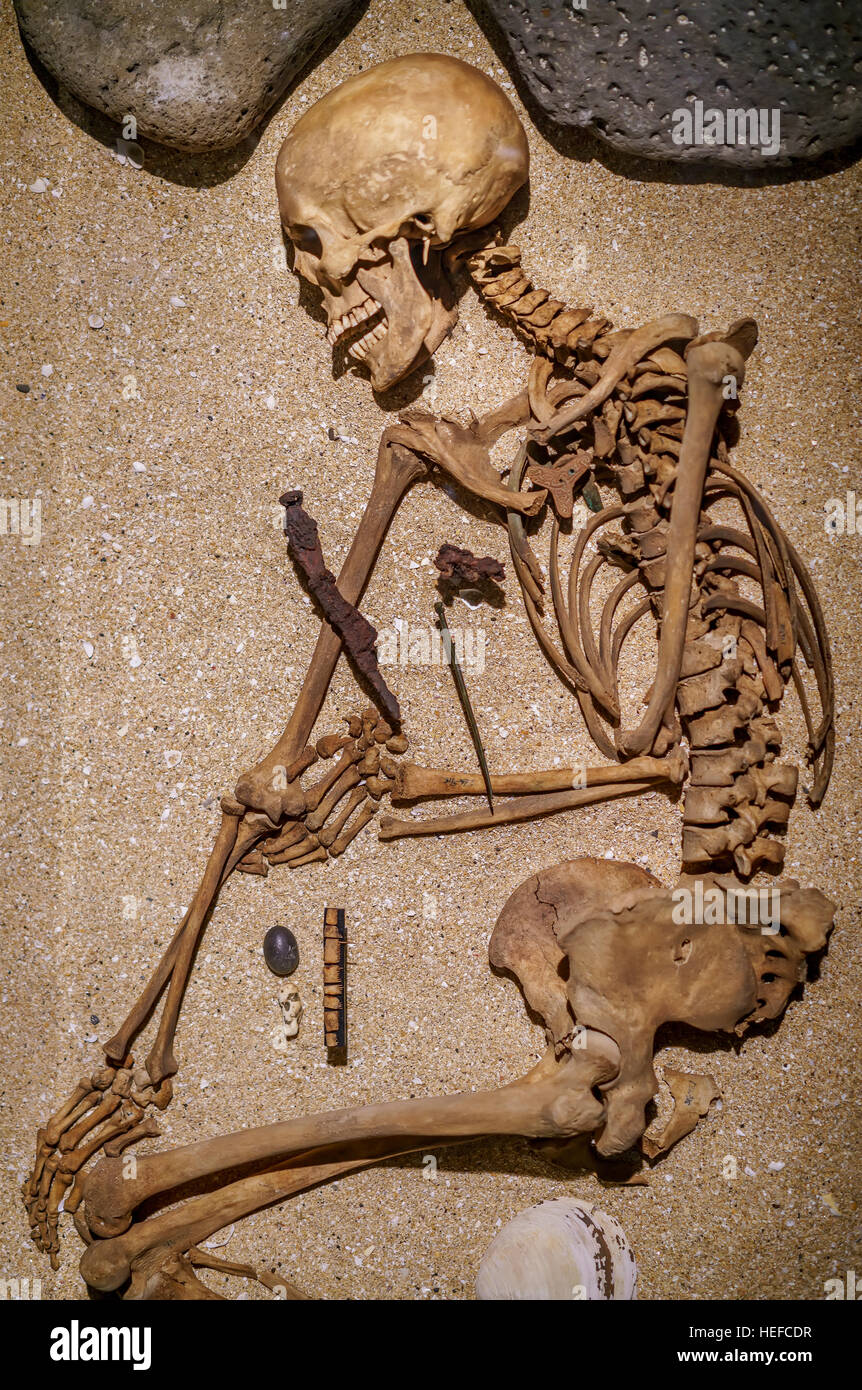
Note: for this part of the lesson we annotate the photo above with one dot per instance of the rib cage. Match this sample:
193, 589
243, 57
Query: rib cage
740, 652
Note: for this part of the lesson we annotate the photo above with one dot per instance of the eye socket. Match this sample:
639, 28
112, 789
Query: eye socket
306, 239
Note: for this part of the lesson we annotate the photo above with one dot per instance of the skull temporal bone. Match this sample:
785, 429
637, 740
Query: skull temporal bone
379, 175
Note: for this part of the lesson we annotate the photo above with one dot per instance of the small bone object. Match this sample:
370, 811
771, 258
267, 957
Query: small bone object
291, 1012
335, 977
561, 479
692, 1096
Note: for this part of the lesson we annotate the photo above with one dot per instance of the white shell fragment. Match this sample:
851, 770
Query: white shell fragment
560, 1249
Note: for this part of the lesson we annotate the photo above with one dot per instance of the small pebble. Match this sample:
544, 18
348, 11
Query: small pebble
23, 388
96, 321
280, 950
40, 186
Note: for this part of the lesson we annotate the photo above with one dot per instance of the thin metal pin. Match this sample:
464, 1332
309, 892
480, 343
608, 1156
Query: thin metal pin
458, 677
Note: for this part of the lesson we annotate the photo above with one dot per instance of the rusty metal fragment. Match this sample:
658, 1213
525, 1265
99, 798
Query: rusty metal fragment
356, 632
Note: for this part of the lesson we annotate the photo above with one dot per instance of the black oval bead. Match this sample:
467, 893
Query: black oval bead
280, 950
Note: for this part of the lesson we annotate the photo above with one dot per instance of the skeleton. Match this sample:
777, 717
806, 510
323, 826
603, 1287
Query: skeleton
389, 189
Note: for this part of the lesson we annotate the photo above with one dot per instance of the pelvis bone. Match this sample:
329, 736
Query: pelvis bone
602, 946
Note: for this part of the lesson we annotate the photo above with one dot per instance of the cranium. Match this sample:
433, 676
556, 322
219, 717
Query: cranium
376, 178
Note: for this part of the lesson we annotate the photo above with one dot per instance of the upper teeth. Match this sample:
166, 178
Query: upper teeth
351, 319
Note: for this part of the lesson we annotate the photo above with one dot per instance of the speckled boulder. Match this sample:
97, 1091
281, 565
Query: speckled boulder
624, 67
196, 75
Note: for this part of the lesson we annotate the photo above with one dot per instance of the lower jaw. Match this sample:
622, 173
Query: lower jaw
384, 377
439, 321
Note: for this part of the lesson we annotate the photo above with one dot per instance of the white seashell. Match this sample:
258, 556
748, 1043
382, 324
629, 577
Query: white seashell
560, 1249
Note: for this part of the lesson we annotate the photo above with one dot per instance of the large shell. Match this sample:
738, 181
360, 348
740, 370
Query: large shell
560, 1249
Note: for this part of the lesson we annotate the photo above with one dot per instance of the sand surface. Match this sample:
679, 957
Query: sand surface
155, 640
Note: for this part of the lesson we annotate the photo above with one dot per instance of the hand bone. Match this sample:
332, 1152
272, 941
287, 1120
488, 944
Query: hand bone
352, 829
331, 833
692, 1097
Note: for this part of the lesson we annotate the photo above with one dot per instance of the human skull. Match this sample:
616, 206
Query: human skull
376, 178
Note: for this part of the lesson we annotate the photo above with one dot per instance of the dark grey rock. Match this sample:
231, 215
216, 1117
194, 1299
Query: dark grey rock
195, 74
623, 67
280, 950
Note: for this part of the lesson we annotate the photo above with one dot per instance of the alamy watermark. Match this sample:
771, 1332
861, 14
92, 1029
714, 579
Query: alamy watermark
756, 126
128, 150
406, 644
21, 517
77, 1343
712, 906
846, 1288
843, 515
17, 1289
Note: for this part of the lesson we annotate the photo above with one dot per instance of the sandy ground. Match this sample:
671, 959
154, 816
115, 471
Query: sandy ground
156, 638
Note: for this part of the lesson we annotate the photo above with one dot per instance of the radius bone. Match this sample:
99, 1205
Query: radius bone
413, 782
